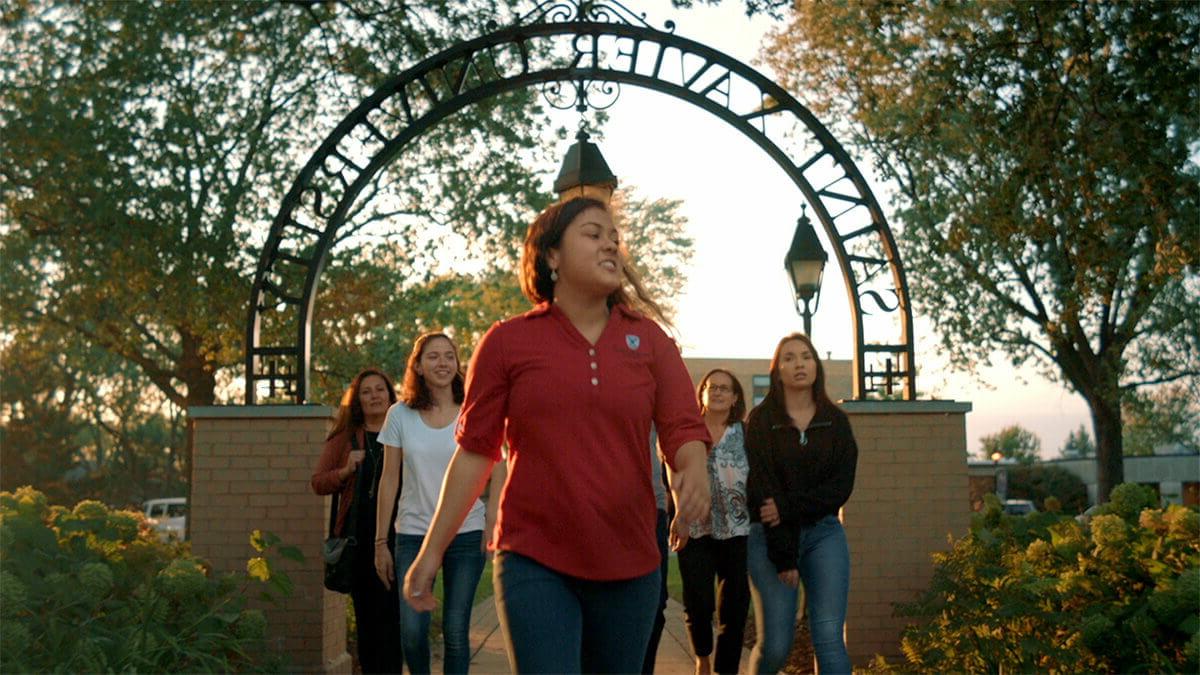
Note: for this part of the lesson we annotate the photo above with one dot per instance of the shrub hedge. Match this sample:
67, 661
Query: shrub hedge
1039, 482
94, 590
1046, 593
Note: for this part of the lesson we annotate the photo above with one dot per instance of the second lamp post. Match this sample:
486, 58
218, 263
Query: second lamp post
805, 264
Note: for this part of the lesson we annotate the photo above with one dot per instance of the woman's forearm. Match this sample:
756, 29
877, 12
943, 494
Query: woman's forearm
465, 479
499, 475
689, 482
389, 484
691, 455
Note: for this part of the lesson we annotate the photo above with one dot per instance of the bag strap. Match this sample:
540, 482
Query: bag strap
333, 503
333, 509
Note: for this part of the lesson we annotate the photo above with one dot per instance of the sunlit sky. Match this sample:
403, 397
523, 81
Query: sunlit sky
742, 210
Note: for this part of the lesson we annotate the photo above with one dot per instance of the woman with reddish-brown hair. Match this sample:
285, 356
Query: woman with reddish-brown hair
802, 462
418, 435
573, 386
349, 466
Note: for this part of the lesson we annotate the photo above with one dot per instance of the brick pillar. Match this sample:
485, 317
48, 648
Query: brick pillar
909, 494
250, 470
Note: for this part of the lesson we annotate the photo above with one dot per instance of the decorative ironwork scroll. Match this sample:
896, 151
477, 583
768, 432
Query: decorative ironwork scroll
576, 45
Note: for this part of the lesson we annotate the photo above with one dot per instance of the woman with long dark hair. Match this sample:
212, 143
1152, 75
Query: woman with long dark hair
802, 462
419, 434
352, 450
573, 386
716, 546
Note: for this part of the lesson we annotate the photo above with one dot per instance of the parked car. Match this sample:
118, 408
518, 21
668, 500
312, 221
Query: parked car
168, 516
1086, 517
1019, 507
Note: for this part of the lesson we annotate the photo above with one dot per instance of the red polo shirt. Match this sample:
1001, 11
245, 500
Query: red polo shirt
577, 416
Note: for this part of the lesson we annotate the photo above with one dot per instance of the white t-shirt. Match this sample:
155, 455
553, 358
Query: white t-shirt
427, 453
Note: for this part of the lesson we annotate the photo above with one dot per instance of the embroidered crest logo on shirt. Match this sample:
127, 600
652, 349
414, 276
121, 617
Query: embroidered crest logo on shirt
633, 341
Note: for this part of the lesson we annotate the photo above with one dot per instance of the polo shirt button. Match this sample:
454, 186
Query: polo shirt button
591, 352
595, 380
594, 366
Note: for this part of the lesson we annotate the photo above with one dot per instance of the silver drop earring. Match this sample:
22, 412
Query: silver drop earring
553, 275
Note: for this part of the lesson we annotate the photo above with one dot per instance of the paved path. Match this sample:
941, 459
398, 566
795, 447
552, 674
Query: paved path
489, 657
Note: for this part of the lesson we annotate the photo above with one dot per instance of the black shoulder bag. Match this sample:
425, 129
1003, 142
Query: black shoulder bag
339, 552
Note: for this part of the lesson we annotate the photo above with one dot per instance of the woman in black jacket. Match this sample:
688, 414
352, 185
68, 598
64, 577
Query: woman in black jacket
802, 458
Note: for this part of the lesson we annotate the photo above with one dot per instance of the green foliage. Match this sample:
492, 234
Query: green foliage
1043, 155
1041, 482
368, 314
1168, 415
1078, 445
157, 140
1012, 442
1128, 501
93, 590
1047, 593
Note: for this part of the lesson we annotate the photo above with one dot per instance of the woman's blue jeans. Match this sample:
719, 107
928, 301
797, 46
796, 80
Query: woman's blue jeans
461, 567
824, 564
555, 623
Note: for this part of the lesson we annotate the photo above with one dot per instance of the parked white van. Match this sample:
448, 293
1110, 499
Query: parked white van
168, 516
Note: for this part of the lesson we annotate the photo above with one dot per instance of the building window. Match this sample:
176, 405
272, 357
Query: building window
1191, 493
762, 384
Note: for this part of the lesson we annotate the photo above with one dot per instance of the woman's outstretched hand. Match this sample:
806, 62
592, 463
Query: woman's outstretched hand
384, 568
791, 578
689, 484
679, 534
418, 583
769, 513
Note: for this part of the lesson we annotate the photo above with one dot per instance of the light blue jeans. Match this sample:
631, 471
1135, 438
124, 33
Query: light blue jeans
461, 567
823, 560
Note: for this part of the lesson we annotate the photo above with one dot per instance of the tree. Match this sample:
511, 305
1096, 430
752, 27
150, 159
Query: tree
1042, 157
144, 144
1012, 442
369, 314
1078, 445
145, 148
1039, 482
1165, 416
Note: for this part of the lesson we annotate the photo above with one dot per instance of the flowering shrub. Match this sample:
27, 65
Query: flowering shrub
94, 590
1046, 592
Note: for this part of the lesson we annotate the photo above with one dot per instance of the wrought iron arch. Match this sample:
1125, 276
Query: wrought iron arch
583, 44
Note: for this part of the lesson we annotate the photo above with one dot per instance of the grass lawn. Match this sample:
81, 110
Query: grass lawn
674, 583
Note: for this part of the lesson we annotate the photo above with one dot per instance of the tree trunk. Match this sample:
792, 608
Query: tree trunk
1097, 379
199, 376
1110, 456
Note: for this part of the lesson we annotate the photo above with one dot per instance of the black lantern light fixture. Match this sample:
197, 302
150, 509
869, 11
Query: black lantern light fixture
805, 264
584, 172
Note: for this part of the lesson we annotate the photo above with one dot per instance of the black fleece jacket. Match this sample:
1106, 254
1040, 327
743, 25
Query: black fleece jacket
807, 480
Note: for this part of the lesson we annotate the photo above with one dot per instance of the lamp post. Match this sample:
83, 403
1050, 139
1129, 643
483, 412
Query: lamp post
1001, 475
805, 264
584, 172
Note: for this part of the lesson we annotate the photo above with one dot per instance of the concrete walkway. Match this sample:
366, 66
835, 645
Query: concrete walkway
489, 656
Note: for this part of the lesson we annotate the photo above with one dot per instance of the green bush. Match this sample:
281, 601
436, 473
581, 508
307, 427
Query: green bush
1040, 481
94, 590
1045, 592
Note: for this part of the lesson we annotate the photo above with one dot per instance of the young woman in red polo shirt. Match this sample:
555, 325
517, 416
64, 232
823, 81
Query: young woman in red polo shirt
573, 386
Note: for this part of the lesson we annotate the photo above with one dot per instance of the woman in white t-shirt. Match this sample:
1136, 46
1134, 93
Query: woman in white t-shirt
419, 431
